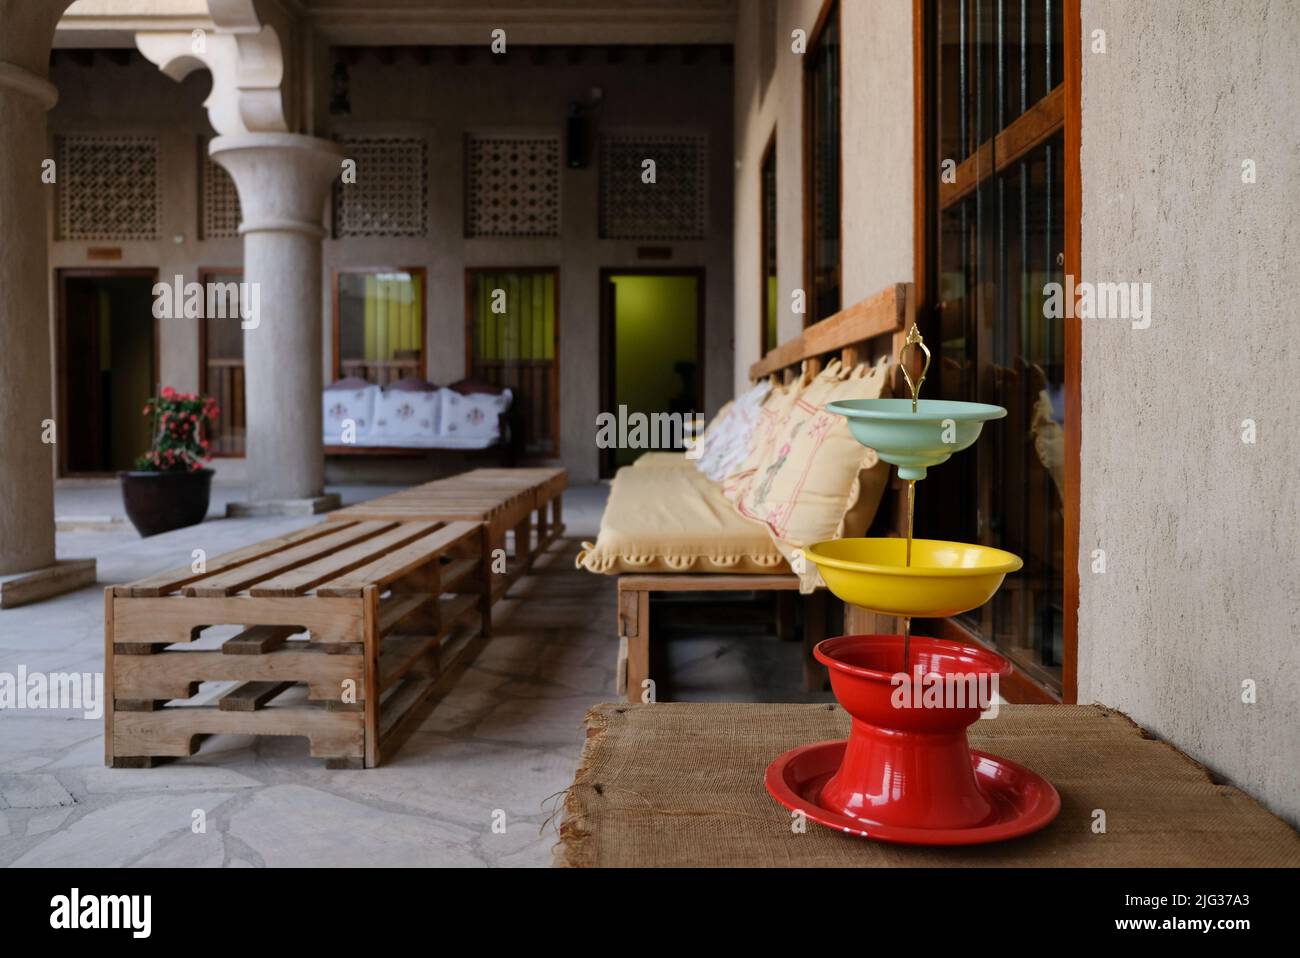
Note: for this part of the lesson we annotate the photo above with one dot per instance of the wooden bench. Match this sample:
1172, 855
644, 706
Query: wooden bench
526, 503
877, 326
350, 632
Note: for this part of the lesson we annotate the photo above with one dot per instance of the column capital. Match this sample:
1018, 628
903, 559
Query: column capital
282, 178
25, 40
28, 84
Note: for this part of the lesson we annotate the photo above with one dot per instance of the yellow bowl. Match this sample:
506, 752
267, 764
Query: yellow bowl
945, 578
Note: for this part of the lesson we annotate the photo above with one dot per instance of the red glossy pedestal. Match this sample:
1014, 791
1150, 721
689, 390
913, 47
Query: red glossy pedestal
906, 772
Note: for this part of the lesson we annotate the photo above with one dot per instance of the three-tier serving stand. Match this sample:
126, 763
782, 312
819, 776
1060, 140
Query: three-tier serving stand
906, 772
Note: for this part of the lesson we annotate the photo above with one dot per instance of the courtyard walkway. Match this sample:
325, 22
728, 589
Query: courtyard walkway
497, 751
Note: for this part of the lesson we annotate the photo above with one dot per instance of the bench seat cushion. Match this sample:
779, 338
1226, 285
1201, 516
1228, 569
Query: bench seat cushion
664, 460
676, 520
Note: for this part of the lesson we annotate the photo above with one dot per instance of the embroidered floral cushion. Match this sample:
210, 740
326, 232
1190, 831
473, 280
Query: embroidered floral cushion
401, 414
771, 418
819, 483
727, 449
475, 416
339, 406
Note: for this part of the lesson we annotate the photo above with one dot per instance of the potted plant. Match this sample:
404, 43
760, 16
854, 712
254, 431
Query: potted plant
169, 487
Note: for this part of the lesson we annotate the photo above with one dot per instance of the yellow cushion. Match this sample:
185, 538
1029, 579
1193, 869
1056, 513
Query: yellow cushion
818, 482
674, 520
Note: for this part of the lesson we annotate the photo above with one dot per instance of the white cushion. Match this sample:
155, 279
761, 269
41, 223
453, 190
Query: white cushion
477, 416
340, 405
437, 442
727, 450
406, 415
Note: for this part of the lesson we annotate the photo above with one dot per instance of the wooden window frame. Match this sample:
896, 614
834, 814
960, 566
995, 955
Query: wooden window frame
828, 8
764, 238
470, 272
336, 364
205, 275
1059, 110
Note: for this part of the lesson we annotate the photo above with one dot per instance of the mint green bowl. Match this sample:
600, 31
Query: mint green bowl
914, 441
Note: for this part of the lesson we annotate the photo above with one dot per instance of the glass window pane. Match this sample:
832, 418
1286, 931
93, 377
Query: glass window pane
988, 259
950, 88
823, 64
984, 59
769, 293
512, 344
223, 362
381, 325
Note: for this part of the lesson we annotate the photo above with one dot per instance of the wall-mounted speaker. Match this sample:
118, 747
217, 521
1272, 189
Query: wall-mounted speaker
577, 141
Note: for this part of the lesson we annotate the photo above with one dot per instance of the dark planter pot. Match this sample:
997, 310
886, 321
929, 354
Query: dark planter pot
161, 501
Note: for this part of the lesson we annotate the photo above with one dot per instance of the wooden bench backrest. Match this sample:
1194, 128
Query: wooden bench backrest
862, 332
859, 333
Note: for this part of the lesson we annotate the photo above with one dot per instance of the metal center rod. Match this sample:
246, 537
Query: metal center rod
907, 620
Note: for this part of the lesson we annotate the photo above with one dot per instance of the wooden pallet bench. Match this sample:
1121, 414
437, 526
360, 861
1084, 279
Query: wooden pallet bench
524, 503
349, 633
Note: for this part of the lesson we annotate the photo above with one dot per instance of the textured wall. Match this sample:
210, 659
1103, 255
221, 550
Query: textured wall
445, 101
105, 97
1201, 589
877, 149
448, 101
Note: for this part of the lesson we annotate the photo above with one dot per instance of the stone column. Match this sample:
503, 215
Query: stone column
26, 462
283, 180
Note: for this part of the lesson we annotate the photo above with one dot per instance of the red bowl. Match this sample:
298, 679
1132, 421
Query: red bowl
907, 762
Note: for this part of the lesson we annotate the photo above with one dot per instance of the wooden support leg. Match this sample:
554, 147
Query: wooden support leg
785, 604
634, 630
108, 676
543, 525
485, 573
370, 633
814, 630
523, 545
858, 621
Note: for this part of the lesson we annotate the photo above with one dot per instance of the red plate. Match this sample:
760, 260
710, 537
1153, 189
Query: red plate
1023, 802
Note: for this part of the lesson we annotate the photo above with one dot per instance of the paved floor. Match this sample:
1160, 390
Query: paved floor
499, 750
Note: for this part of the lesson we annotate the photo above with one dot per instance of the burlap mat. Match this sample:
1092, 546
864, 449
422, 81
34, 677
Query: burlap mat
681, 784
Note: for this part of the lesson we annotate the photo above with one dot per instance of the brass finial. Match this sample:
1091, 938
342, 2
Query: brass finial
914, 339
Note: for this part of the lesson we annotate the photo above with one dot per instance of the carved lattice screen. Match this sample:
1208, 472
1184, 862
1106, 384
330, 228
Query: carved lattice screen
674, 206
108, 187
512, 185
390, 195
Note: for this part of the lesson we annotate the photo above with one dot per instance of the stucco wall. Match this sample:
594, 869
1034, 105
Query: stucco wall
135, 98
1201, 589
876, 118
443, 100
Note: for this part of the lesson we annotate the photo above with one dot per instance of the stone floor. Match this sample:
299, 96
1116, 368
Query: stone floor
501, 747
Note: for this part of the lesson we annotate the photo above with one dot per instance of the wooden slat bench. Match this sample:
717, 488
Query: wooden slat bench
371, 620
859, 333
526, 502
